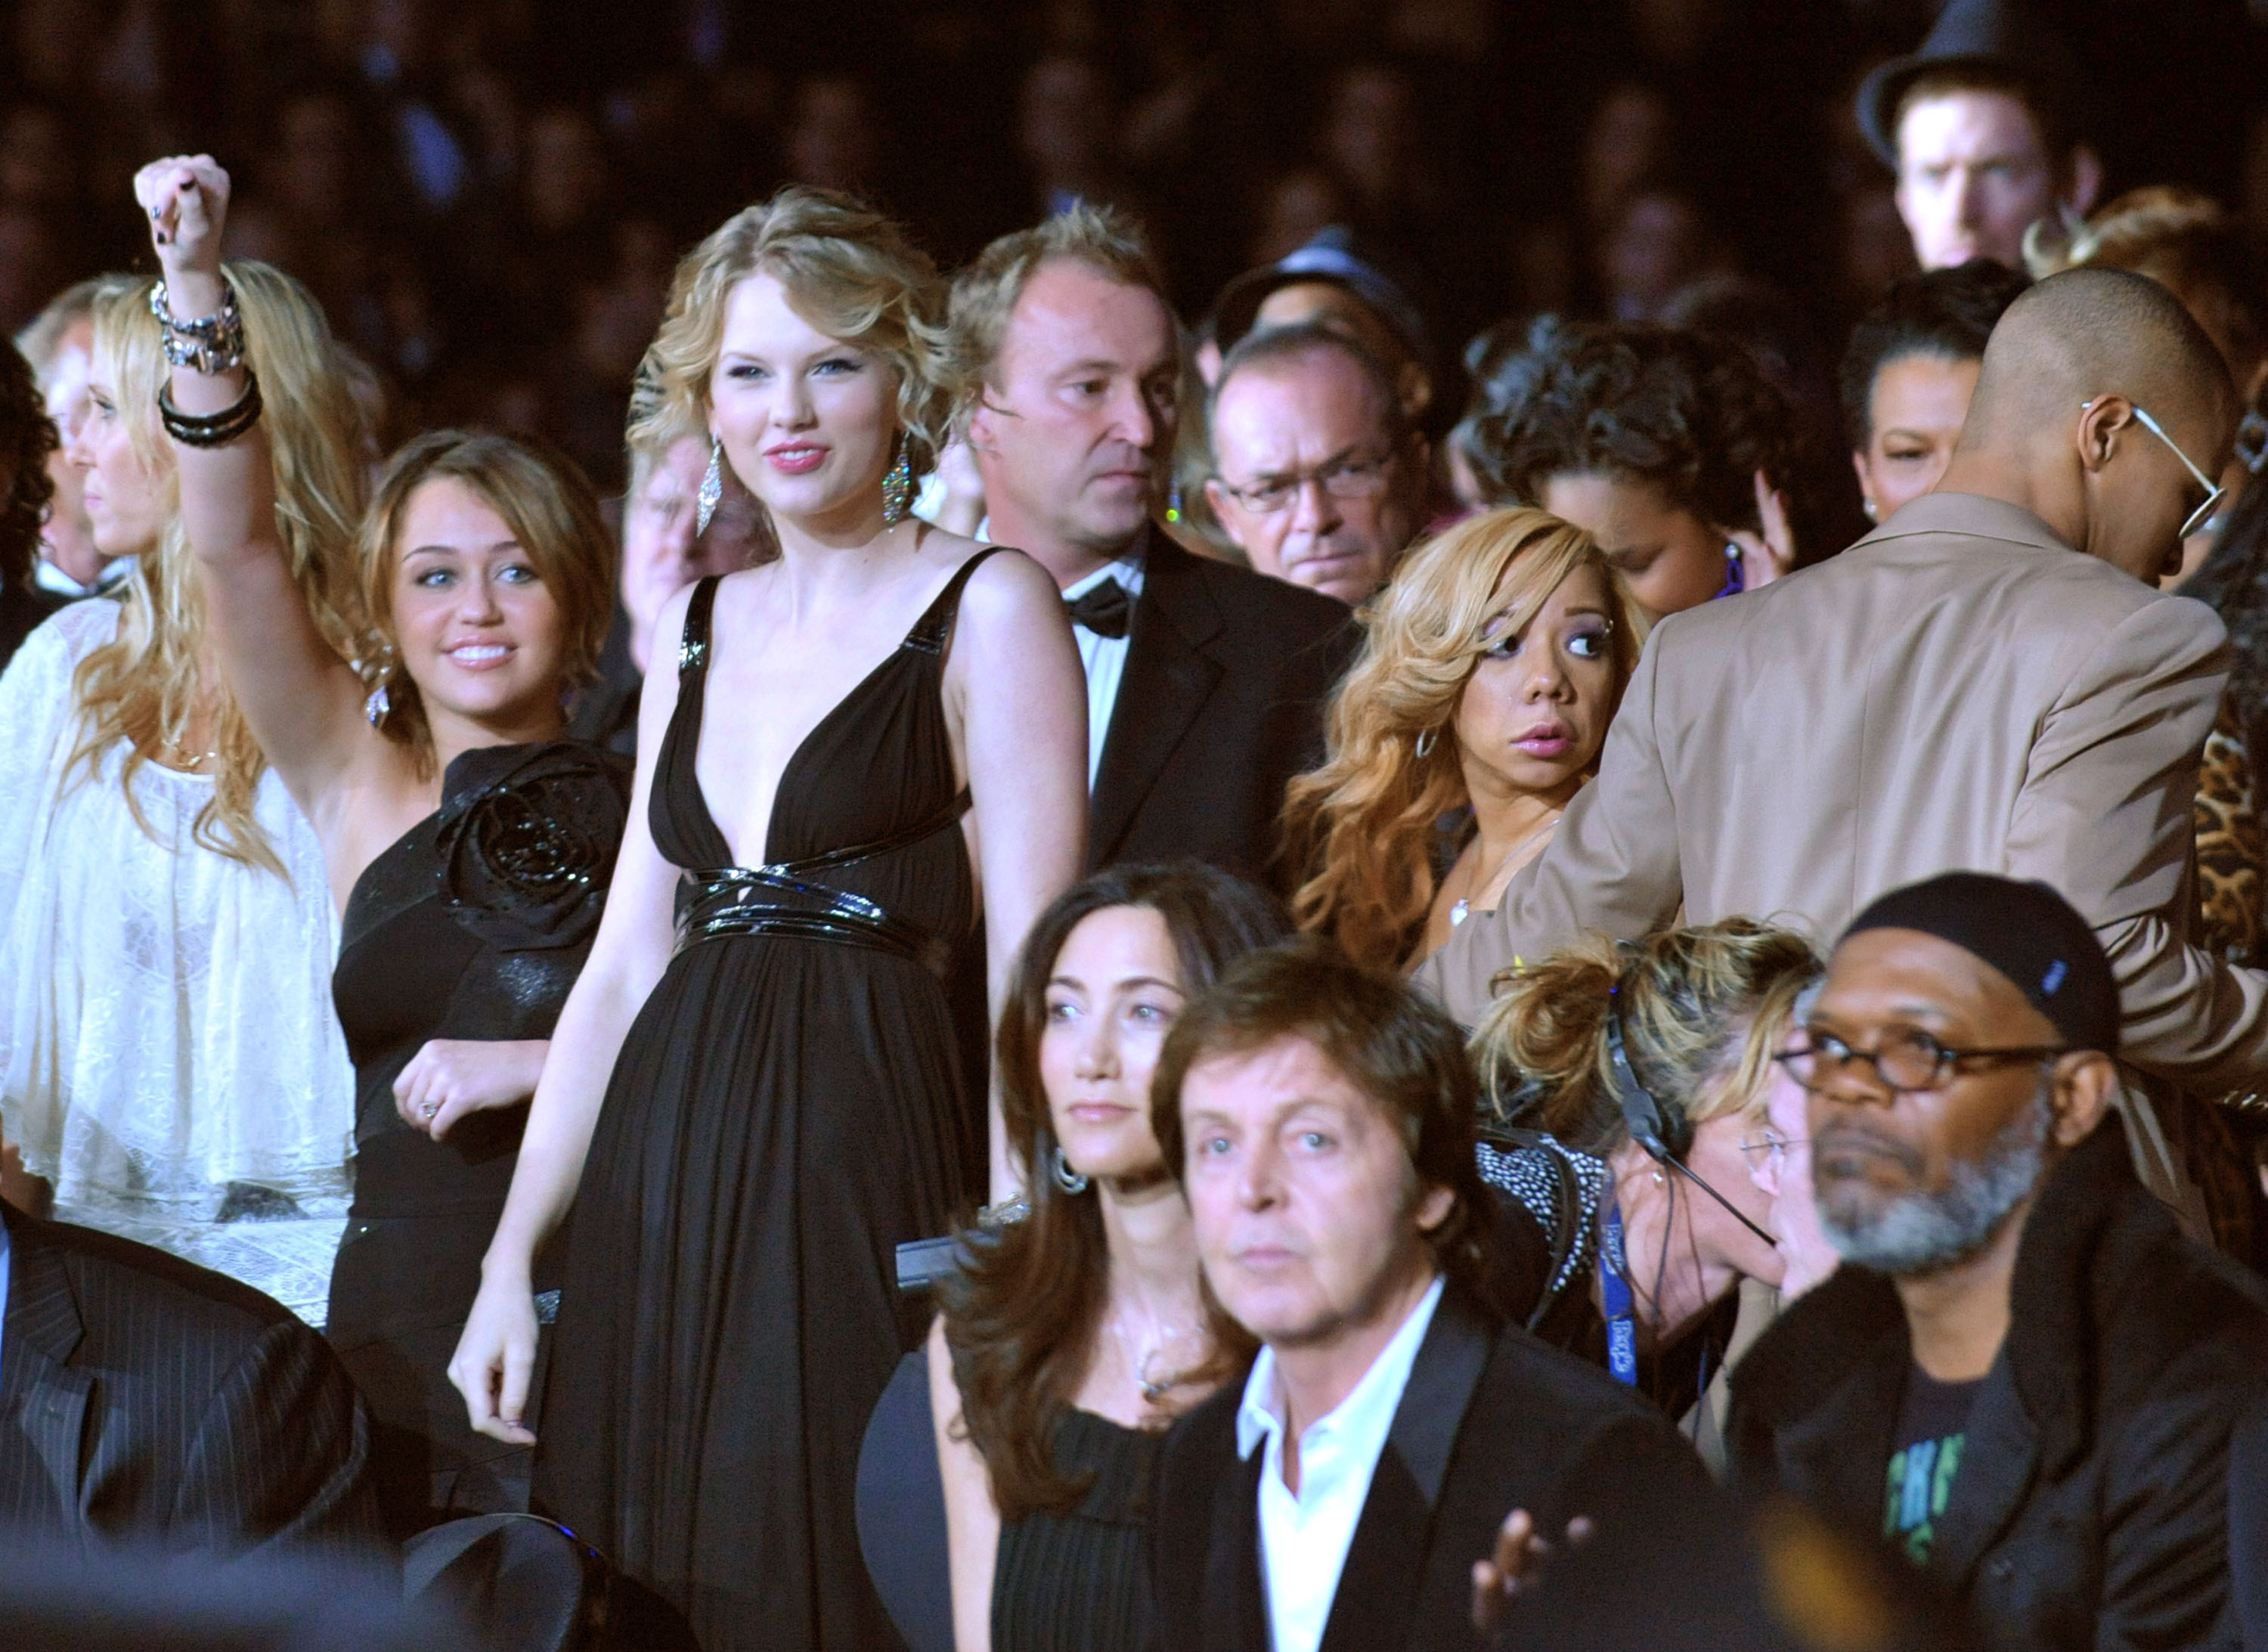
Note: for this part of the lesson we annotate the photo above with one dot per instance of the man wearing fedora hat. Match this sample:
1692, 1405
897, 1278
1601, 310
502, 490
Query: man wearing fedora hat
1980, 126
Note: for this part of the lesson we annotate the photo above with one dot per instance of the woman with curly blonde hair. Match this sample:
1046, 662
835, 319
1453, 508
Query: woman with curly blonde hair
1491, 667
168, 1056
896, 732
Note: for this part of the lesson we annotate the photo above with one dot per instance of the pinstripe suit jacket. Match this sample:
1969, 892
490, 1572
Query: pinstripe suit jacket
144, 1399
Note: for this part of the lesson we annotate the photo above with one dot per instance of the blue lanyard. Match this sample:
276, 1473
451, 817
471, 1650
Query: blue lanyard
1614, 1293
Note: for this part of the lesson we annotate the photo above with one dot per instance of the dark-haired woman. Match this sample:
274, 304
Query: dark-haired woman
1670, 448
1072, 1337
1908, 372
469, 844
27, 436
1595, 1227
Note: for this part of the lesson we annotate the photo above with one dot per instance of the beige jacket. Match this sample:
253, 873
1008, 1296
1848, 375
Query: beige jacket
1958, 691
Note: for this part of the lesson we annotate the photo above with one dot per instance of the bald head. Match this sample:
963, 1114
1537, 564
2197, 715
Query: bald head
2087, 333
2074, 375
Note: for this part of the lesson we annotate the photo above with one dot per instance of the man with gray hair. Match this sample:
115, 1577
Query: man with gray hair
1317, 475
2024, 1376
1206, 682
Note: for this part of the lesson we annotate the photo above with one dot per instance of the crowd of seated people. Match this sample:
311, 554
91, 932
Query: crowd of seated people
1083, 981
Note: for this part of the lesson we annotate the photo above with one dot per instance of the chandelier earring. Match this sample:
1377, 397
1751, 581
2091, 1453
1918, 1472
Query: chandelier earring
712, 487
1066, 1178
377, 705
898, 486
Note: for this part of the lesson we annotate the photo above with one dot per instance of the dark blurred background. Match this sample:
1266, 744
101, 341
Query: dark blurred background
489, 195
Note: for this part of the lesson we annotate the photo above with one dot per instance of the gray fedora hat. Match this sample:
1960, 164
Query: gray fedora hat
2005, 37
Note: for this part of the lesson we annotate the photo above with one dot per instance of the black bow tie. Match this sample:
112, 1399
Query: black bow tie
1105, 609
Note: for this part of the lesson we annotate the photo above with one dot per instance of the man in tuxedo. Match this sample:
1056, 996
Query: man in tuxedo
1319, 1117
1206, 682
145, 1400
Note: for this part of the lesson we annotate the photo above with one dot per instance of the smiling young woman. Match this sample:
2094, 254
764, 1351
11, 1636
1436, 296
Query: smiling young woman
870, 741
468, 846
1490, 670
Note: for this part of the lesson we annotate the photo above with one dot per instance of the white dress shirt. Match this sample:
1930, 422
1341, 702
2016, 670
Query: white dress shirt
1304, 1537
1104, 657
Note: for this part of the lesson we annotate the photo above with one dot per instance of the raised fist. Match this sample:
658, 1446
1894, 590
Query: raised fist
185, 198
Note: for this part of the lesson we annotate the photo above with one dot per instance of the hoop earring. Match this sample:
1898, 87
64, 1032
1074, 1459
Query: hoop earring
712, 488
898, 487
1066, 1178
1427, 738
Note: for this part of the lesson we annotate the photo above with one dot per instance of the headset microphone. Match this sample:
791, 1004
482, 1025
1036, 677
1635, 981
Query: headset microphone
1660, 1127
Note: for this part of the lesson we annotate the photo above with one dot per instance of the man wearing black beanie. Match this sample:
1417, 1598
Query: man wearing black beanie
2024, 1377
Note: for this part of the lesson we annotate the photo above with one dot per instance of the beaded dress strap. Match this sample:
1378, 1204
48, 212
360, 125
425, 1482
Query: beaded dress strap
693, 647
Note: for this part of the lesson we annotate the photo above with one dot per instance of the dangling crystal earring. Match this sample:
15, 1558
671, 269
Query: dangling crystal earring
898, 498
1736, 575
377, 706
1066, 1178
712, 487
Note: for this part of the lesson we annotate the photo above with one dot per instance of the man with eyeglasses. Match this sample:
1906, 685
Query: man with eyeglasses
1991, 679
2024, 1377
1317, 475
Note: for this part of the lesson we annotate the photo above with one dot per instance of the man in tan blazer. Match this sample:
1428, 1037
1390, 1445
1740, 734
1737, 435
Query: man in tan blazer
1961, 689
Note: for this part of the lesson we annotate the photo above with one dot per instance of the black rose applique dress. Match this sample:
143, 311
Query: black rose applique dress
786, 1109
472, 924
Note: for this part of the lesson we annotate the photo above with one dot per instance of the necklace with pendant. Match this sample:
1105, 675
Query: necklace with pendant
1153, 1388
1463, 907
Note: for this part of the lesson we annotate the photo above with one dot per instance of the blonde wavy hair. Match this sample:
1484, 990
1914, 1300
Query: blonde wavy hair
848, 271
142, 688
1703, 1010
1359, 828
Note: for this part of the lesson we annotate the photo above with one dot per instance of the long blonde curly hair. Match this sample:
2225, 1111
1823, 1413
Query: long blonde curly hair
848, 271
142, 688
1357, 828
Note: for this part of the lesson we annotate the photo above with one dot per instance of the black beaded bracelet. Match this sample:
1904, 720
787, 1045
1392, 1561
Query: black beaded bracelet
211, 429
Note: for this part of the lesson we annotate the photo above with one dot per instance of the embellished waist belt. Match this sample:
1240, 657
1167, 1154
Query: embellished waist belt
723, 901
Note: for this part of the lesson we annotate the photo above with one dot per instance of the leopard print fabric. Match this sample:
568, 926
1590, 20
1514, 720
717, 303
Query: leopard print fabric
2232, 848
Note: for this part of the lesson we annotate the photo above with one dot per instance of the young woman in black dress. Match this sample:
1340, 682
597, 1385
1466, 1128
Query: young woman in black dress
468, 845
1076, 1332
860, 737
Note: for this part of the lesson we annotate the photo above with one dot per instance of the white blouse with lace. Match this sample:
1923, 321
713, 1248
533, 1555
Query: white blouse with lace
166, 1019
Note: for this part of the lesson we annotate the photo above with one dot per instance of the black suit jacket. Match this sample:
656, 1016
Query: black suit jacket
1219, 705
1491, 1421
144, 1399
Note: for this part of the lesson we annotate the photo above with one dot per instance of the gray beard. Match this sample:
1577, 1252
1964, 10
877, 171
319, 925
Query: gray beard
1918, 1232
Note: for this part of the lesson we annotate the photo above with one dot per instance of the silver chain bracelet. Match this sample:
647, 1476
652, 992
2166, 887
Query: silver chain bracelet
209, 344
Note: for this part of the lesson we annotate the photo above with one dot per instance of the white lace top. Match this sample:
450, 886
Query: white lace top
166, 1019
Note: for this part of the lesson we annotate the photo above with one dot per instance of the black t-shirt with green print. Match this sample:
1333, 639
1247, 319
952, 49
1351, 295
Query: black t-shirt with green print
1925, 1456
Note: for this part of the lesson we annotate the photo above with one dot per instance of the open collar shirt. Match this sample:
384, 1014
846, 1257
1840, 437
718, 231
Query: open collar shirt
1304, 1535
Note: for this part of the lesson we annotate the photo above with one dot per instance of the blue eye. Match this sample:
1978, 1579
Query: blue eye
519, 573
1061, 1012
745, 371
434, 577
1315, 1140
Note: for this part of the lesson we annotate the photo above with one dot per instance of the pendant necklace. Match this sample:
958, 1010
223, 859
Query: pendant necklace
1462, 908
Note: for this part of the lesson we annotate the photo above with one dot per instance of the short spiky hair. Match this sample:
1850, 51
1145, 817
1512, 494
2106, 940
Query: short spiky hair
983, 294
